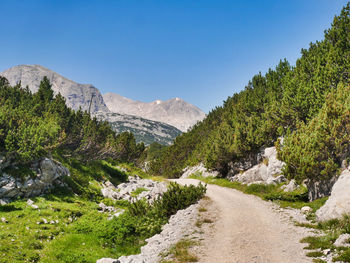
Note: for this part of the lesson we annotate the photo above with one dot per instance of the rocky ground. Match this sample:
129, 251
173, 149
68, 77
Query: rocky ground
135, 188
179, 225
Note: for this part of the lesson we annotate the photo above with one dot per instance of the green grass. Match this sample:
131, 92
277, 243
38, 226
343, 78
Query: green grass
296, 199
25, 238
75, 230
132, 170
332, 229
20, 171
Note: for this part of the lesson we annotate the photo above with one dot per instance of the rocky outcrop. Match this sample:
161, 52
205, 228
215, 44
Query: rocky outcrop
176, 112
178, 226
320, 188
47, 175
244, 164
198, 170
267, 172
150, 190
338, 203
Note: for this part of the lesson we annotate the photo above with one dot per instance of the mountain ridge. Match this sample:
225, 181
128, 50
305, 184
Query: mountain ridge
175, 111
77, 95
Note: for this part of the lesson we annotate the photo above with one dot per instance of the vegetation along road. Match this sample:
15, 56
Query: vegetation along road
248, 229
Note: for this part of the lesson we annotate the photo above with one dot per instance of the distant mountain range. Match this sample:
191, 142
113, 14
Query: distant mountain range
159, 121
175, 112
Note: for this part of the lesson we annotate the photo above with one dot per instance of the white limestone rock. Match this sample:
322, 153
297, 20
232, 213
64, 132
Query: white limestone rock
343, 241
198, 170
275, 166
126, 190
267, 172
306, 209
107, 260
338, 203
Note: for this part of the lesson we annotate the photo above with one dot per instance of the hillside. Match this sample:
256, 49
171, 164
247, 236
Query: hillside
144, 130
175, 112
306, 104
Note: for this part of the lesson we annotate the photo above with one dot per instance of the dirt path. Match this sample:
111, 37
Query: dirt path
248, 229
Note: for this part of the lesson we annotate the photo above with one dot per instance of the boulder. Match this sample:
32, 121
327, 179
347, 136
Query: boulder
253, 175
47, 176
343, 241
276, 180
242, 165
267, 172
274, 165
290, 187
338, 203
198, 170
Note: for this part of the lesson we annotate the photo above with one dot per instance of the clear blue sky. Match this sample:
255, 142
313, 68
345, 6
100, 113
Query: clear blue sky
202, 51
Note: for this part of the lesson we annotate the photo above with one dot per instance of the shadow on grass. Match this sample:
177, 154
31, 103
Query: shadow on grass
9, 208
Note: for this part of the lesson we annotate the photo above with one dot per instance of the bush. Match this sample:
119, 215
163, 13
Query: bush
176, 198
315, 150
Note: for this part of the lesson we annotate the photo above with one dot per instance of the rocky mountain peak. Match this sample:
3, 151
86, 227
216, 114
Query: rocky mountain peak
175, 111
77, 95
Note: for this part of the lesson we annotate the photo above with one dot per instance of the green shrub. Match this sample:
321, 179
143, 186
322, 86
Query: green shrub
315, 150
175, 198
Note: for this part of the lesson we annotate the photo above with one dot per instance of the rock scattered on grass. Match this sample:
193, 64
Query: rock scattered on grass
343, 241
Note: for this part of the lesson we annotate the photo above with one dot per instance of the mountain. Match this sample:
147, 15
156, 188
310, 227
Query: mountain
77, 95
144, 130
175, 112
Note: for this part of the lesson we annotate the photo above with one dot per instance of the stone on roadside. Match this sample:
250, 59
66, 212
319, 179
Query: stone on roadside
338, 203
306, 209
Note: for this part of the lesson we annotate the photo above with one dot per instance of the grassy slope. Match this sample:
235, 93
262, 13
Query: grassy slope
25, 238
68, 227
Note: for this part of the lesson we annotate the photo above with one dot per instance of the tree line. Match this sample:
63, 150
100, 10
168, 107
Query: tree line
36, 125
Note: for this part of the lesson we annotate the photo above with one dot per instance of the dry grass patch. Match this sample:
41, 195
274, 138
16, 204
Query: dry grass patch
180, 253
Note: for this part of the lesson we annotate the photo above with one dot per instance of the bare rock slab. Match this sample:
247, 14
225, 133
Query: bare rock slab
338, 203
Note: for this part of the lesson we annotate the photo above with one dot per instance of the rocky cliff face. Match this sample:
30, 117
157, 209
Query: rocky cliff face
175, 112
77, 95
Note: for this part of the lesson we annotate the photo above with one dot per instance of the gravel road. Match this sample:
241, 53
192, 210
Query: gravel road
248, 229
